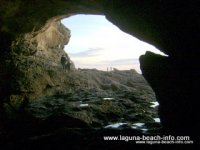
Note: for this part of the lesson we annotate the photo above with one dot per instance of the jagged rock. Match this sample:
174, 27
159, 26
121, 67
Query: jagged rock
86, 105
36, 60
87, 100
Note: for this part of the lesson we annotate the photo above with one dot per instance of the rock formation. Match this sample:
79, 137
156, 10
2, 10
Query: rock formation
34, 62
99, 98
172, 26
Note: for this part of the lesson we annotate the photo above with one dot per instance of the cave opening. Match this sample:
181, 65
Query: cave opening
97, 43
96, 47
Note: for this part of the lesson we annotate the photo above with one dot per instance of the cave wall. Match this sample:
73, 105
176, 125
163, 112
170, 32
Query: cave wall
34, 67
175, 86
172, 26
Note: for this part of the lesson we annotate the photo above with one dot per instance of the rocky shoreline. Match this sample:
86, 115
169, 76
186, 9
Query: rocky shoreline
96, 101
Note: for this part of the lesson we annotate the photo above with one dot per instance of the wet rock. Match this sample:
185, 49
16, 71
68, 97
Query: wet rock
95, 106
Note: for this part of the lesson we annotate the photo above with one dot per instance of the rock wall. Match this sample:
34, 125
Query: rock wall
34, 64
172, 27
174, 87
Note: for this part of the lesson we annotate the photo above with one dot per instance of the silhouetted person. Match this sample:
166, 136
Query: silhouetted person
65, 63
67, 66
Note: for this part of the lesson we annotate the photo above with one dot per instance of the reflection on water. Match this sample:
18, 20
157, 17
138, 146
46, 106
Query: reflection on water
138, 124
84, 105
144, 130
155, 104
108, 98
157, 120
116, 125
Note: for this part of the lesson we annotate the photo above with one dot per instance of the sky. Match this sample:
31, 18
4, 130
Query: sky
97, 43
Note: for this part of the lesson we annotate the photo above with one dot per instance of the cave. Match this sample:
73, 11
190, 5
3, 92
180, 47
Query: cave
97, 43
172, 26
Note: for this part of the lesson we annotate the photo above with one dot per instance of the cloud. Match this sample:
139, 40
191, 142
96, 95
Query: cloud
97, 43
91, 52
121, 64
122, 61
